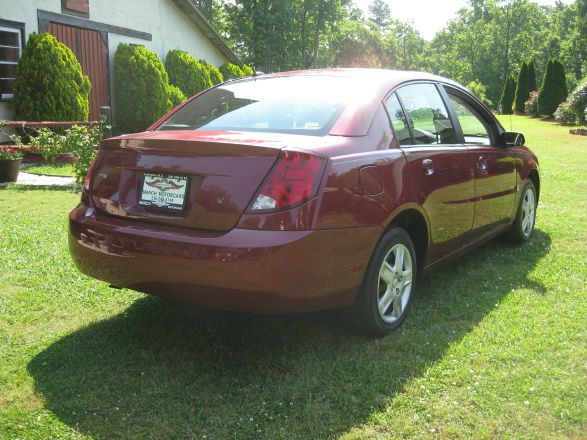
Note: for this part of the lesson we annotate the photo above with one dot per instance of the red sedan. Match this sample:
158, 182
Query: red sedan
303, 191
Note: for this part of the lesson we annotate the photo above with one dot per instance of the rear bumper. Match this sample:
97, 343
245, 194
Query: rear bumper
248, 270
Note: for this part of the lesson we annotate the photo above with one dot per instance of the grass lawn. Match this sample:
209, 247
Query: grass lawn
51, 169
494, 345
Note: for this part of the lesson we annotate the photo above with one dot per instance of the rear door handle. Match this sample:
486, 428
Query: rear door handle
428, 166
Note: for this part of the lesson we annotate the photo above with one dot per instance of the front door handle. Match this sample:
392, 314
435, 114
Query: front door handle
482, 164
428, 166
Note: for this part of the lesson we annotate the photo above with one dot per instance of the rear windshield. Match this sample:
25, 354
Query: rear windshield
308, 105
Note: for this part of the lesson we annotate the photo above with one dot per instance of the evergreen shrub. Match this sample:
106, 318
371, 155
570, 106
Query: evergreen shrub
231, 71
554, 88
508, 96
50, 84
141, 88
187, 73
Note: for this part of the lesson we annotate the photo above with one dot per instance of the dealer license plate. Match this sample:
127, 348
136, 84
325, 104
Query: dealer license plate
164, 191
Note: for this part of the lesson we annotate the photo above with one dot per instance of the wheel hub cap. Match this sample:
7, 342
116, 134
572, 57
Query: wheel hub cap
528, 212
395, 283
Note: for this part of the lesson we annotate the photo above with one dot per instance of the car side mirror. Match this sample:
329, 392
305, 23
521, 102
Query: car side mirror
513, 139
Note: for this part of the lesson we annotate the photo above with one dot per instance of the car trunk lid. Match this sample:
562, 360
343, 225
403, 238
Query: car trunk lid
221, 170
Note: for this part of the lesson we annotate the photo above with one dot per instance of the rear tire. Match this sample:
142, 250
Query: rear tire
388, 286
523, 226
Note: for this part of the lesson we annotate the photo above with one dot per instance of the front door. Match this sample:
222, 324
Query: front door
437, 165
92, 52
495, 168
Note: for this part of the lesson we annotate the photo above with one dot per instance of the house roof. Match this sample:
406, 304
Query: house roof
198, 18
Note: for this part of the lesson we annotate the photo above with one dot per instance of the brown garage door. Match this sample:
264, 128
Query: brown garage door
92, 53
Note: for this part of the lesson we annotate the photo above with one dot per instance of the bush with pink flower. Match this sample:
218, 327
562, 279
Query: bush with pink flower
531, 107
11, 151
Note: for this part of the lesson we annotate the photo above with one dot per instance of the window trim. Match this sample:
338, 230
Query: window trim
449, 110
18, 28
384, 103
473, 111
491, 123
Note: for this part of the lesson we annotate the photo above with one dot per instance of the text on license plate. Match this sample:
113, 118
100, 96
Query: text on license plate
164, 191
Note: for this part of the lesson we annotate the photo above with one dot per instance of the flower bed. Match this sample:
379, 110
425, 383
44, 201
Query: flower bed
578, 131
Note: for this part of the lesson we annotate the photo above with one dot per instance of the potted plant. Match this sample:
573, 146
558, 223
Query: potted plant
10, 156
10, 159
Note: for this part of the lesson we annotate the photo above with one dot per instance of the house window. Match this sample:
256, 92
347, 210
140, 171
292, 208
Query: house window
10, 51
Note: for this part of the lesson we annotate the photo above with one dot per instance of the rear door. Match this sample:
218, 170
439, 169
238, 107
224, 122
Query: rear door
440, 169
495, 167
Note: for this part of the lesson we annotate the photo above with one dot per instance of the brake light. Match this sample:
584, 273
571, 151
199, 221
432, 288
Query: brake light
292, 181
86, 184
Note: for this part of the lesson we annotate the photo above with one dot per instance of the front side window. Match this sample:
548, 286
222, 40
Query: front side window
398, 119
297, 105
10, 51
427, 114
475, 129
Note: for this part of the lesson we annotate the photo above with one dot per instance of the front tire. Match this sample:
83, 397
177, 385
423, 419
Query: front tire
523, 226
388, 286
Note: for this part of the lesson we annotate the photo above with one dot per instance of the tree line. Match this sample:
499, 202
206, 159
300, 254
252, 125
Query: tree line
485, 43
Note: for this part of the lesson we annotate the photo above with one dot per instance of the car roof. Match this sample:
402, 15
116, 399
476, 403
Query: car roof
376, 84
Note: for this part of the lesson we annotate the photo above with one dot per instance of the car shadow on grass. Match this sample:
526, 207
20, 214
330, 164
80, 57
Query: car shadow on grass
169, 370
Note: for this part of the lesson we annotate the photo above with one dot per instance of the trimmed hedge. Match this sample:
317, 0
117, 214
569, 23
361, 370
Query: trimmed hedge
176, 96
141, 88
554, 88
216, 76
532, 84
508, 96
231, 71
522, 89
186, 72
248, 70
50, 84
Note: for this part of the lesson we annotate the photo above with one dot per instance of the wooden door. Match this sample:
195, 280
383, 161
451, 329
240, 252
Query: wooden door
92, 52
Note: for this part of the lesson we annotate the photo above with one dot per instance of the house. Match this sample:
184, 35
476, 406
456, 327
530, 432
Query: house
92, 29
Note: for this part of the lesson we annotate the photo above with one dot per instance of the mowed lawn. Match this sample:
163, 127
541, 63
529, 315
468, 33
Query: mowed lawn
51, 169
495, 345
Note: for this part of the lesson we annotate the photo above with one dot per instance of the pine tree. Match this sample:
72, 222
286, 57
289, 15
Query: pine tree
554, 88
508, 96
522, 92
532, 84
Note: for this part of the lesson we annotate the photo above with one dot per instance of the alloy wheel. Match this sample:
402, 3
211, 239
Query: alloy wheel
395, 283
528, 212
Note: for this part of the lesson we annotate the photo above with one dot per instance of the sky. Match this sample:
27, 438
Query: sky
429, 16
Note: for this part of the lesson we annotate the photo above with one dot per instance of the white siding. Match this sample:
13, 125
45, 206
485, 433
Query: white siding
168, 25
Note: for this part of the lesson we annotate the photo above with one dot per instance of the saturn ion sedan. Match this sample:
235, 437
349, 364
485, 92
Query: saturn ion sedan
303, 191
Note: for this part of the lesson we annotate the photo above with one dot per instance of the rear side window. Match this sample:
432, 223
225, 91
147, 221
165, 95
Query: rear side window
475, 130
427, 115
398, 120
295, 105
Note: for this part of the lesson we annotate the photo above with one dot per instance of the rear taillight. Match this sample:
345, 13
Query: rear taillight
293, 180
86, 184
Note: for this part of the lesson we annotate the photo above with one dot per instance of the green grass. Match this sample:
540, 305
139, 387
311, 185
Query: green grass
51, 169
494, 346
